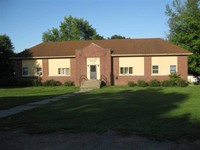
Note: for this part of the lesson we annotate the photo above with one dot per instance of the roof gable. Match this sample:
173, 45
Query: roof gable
92, 50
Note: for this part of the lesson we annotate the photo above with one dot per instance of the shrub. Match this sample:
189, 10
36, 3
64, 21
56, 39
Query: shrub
141, 83
168, 83
174, 76
131, 83
52, 83
36, 82
154, 83
25, 82
182, 83
68, 83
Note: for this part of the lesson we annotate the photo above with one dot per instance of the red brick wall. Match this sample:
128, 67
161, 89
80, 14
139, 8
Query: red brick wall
81, 68
183, 67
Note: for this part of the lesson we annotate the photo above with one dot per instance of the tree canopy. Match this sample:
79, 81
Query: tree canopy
184, 24
71, 29
6, 51
116, 36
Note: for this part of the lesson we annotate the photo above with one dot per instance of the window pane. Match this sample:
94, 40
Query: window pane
93, 68
130, 70
155, 71
63, 70
59, 70
126, 70
25, 70
172, 68
121, 70
155, 67
67, 71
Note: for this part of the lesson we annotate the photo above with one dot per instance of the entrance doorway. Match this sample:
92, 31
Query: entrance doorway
93, 72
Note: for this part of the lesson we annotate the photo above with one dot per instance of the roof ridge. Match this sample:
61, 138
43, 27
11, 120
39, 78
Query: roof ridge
102, 40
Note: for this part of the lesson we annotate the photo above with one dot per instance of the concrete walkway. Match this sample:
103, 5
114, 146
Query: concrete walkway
29, 106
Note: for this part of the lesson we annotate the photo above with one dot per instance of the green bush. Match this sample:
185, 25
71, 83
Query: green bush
37, 82
182, 83
25, 82
154, 83
131, 83
52, 83
141, 83
174, 76
168, 83
68, 83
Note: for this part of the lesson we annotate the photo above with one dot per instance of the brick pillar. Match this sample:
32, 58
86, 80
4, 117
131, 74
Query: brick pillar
45, 68
147, 68
116, 70
107, 63
73, 69
183, 67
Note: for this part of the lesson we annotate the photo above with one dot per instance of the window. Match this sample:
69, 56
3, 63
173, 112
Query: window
25, 71
92, 68
155, 69
172, 68
130, 70
126, 70
63, 71
39, 71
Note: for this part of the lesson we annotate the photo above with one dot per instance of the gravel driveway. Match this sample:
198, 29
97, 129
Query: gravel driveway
14, 140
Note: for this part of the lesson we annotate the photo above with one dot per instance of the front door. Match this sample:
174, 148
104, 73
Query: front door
93, 72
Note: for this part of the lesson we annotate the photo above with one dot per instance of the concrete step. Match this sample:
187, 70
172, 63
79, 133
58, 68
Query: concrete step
89, 85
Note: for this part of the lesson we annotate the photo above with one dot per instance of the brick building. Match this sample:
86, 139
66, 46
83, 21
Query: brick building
113, 61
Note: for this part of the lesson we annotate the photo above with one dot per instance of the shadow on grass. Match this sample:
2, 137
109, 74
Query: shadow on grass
143, 112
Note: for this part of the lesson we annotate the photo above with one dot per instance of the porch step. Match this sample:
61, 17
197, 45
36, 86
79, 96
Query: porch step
89, 85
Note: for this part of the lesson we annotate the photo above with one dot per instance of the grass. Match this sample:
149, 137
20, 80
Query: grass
10, 97
168, 113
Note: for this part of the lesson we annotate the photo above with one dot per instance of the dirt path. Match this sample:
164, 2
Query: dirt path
86, 141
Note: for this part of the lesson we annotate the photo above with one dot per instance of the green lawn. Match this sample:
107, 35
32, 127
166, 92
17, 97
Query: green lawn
10, 97
170, 113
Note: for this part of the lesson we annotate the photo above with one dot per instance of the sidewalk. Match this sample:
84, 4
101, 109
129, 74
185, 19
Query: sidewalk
29, 106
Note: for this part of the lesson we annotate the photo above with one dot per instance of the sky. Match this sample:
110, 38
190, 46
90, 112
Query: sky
24, 21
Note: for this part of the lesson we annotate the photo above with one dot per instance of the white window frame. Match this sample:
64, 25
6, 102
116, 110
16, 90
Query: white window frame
126, 71
64, 71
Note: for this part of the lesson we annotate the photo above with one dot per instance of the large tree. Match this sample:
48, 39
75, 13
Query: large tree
71, 29
6, 51
184, 24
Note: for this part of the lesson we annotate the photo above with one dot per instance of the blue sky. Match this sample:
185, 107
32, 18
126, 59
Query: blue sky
24, 21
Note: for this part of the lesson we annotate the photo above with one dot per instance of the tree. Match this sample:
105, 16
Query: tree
71, 29
98, 37
184, 24
6, 51
118, 37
